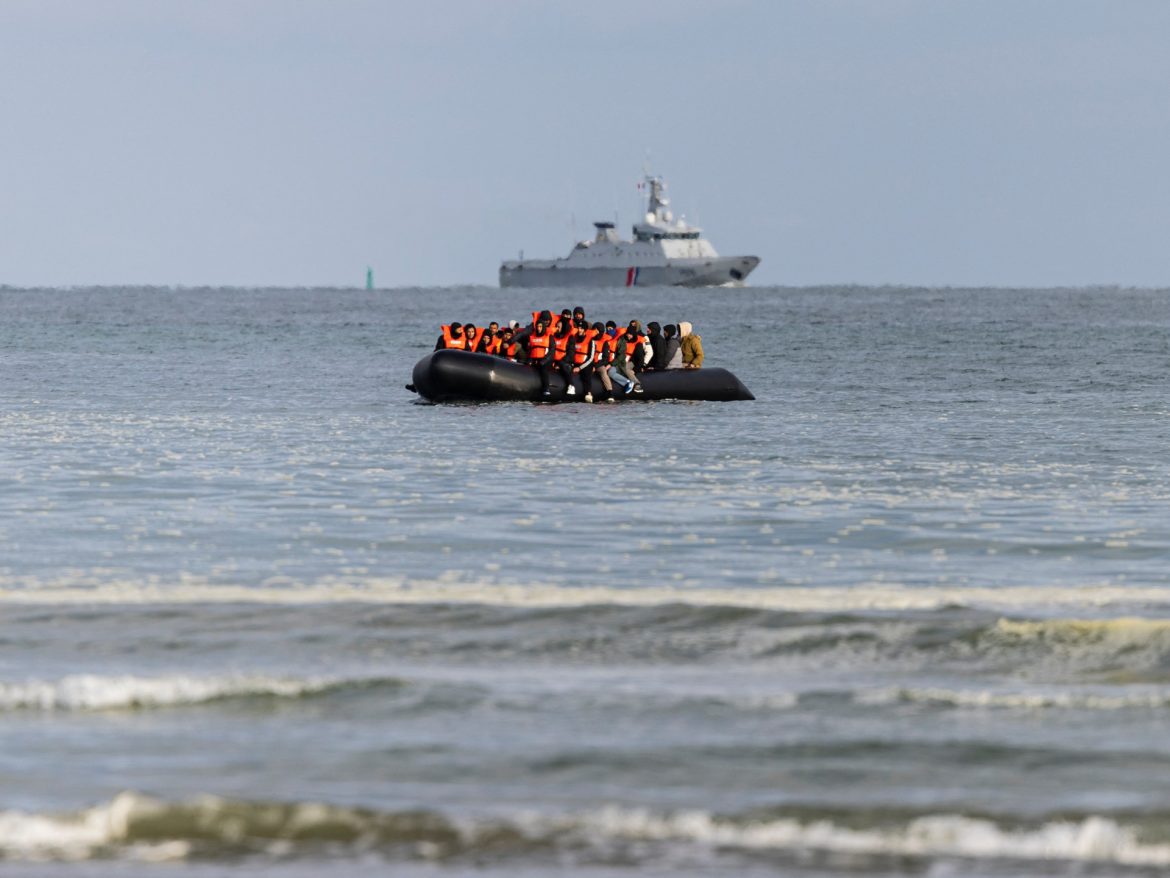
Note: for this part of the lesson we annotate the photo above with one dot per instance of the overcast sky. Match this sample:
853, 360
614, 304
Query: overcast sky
277, 142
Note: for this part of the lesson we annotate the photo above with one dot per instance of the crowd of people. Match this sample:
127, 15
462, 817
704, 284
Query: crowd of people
578, 349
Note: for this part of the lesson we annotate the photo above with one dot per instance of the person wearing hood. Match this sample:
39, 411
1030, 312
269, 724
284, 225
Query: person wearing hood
657, 346
452, 338
671, 349
691, 344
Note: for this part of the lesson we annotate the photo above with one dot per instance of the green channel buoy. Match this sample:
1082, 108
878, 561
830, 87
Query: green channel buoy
369, 278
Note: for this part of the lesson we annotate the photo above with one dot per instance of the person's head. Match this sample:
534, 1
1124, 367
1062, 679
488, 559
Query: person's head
540, 325
565, 327
669, 330
581, 327
469, 328
457, 329
599, 328
634, 326
578, 313
654, 327
611, 327
513, 324
546, 316
631, 332
494, 326
567, 314
684, 329
489, 333
507, 332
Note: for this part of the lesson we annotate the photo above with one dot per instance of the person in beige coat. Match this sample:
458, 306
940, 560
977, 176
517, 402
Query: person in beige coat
692, 346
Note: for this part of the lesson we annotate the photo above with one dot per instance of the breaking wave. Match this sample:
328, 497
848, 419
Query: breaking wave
91, 692
139, 827
878, 596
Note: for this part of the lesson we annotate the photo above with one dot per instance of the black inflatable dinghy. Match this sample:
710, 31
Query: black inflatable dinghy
453, 376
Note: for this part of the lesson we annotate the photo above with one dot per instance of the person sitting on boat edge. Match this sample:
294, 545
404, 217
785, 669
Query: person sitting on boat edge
562, 358
691, 344
628, 351
657, 346
539, 353
584, 355
603, 355
671, 349
452, 338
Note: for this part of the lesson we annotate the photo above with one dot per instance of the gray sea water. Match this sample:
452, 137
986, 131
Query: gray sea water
262, 612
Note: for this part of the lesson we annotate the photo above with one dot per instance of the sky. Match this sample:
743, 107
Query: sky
296, 142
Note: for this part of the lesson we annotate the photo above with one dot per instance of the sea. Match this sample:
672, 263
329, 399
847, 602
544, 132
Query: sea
263, 611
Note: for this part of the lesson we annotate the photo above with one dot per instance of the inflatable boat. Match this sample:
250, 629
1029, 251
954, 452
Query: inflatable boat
455, 376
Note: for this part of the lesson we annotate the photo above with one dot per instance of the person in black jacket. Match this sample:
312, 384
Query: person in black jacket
456, 336
657, 346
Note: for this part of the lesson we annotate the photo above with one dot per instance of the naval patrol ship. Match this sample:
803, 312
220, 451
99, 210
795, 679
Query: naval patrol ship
664, 252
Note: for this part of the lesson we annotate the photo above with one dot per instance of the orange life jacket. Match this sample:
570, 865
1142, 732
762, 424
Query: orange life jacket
561, 343
606, 345
538, 345
511, 349
473, 341
450, 342
493, 346
581, 350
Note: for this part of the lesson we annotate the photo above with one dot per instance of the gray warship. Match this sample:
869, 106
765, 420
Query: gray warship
664, 252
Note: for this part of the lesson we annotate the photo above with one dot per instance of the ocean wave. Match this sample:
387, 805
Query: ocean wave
1019, 700
875, 596
140, 827
92, 692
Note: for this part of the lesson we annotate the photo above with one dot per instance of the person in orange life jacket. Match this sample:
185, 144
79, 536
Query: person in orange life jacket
583, 355
603, 356
615, 346
562, 358
520, 335
540, 352
489, 342
629, 350
451, 337
637, 346
657, 346
472, 335
508, 346
672, 351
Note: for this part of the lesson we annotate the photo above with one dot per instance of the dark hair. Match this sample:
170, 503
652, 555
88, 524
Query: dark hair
653, 326
609, 324
599, 327
545, 316
669, 330
455, 326
579, 310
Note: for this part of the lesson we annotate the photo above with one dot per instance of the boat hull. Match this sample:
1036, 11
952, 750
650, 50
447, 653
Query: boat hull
714, 272
459, 376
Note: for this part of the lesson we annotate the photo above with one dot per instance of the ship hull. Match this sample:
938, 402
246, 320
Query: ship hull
714, 272
459, 376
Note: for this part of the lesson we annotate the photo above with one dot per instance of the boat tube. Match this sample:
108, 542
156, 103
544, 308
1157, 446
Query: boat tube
455, 376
